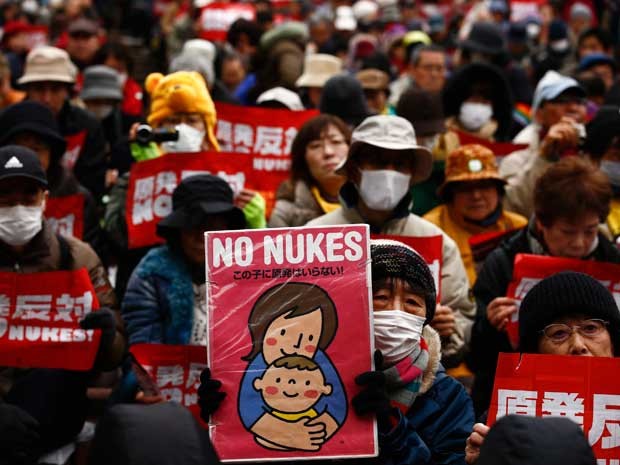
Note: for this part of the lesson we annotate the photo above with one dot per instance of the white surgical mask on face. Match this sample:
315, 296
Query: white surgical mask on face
19, 224
612, 170
474, 115
383, 189
190, 140
397, 334
101, 111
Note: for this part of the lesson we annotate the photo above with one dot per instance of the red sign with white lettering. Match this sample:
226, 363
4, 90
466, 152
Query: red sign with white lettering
217, 17
75, 144
66, 215
578, 388
39, 320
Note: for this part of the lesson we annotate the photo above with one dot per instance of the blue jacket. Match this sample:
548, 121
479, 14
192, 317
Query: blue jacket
435, 428
158, 306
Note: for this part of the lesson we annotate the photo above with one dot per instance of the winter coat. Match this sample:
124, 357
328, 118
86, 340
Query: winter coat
90, 166
454, 283
492, 282
158, 306
44, 253
461, 230
295, 205
512, 164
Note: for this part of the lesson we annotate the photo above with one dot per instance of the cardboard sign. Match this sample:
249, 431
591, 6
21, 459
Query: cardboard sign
66, 215
75, 143
500, 149
151, 183
39, 320
578, 388
289, 330
431, 249
530, 269
217, 17
175, 370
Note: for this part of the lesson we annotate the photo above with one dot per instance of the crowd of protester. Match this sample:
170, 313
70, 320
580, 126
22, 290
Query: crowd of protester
416, 102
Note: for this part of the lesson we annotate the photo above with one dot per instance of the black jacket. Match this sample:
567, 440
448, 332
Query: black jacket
492, 282
90, 167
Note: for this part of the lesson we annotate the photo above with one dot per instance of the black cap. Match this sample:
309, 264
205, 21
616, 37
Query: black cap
17, 161
196, 198
485, 37
29, 116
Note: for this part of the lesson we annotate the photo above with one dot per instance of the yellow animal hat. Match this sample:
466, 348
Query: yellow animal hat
181, 92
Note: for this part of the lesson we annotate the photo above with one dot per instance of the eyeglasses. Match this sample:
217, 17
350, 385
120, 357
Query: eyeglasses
560, 332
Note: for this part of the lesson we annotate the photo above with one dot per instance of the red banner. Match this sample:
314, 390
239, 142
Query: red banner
217, 17
483, 244
431, 249
66, 215
151, 182
530, 269
578, 388
75, 143
39, 320
175, 370
521, 10
500, 149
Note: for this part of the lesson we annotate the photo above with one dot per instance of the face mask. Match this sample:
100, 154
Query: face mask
397, 334
612, 170
101, 111
474, 115
190, 140
19, 224
383, 189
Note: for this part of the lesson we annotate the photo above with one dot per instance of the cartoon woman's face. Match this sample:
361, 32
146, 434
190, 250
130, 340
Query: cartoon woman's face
293, 336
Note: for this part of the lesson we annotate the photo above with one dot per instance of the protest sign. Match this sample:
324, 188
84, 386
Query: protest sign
431, 249
66, 215
521, 10
578, 388
530, 269
217, 17
289, 330
75, 144
39, 320
175, 370
151, 183
500, 149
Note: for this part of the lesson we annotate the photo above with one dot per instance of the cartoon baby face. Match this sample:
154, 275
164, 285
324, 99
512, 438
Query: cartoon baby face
292, 390
293, 336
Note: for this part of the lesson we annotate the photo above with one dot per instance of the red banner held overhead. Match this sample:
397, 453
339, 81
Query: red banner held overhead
175, 370
500, 149
39, 320
66, 215
578, 388
530, 269
217, 17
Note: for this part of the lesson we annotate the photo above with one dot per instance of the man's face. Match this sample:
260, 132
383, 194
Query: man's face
376, 158
21, 191
429, 73
82, 46
570, 239
233, 73
49, 93
605, 72
36, 144
590, 45
376, 99
569, 103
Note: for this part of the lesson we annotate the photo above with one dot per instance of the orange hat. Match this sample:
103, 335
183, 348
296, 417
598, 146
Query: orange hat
471, 162
181, 92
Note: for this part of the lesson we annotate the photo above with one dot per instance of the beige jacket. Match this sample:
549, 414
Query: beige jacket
454, 283
295, 206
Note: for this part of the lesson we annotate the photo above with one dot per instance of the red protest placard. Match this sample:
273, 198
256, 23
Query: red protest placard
39, 320
483, 244
289, 329
151, 183
75, 143
66, 215
175, 370
431, 249
577, 388
530, 269
521, 10
217, 17
500, 149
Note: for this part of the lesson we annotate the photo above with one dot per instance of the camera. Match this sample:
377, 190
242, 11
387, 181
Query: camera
145, 134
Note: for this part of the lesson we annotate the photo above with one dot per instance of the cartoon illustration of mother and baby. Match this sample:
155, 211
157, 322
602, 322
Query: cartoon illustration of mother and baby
291, 396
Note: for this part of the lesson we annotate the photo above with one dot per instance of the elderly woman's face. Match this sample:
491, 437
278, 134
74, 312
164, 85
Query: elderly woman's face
396, 294
576, 335
475, 200
570, 239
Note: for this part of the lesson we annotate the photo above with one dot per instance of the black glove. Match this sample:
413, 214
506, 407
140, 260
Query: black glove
104, 320
373, 397
209, 395
18, 436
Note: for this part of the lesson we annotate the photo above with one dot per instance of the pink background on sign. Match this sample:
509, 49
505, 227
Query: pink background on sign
229, 340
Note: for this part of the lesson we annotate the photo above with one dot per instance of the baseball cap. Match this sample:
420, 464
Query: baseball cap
18, 161
551, 86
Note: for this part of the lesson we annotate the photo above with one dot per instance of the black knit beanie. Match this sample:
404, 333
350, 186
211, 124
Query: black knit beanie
393, 259
563, 294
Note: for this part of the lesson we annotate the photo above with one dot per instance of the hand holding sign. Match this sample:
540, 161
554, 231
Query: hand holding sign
373, 398
499, 311
105, 321
209, 395
474, 442
443, 321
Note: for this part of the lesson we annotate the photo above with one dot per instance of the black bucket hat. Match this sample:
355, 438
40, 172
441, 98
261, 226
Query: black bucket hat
196, 198
33, 117
485, 37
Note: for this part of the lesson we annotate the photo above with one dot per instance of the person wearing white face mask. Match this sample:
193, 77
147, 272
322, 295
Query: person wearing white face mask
384, 161
423, 415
